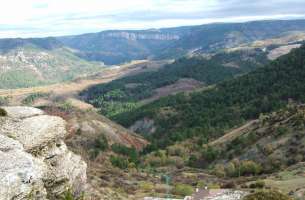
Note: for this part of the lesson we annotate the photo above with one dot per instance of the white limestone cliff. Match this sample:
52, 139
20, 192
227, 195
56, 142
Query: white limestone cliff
34, 161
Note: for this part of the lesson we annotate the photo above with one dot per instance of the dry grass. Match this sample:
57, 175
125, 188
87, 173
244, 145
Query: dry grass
286, 185
291, 179
77, 85
70, 90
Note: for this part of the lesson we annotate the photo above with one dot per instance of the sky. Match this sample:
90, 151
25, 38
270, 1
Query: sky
41, 18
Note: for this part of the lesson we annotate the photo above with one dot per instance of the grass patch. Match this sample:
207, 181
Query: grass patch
34, 96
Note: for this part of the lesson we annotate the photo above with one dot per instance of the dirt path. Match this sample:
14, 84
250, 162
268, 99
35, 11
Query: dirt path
233, 134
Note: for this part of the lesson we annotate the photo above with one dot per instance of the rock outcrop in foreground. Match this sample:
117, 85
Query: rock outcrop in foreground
34, 161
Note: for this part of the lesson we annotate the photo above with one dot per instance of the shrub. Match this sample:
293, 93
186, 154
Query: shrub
230, 185
34, 96
193, 160
209, 154
153, 161
243, 168
258, 184
146, 186
131, 153
162, 188
268, 149
2, 112
272, 164
66, 106
267, 195
281, 130
219, 170
175, 161
249, 167
176, 151
182, 190
68, 195
101, 143
231, 169
201, 184
119, 162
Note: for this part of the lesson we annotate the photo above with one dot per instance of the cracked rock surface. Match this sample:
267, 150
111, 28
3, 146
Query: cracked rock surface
35, 163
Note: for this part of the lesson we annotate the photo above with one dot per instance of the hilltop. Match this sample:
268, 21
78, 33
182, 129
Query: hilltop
33, 62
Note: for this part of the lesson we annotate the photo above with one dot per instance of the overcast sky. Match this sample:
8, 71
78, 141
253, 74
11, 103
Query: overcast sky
39, 18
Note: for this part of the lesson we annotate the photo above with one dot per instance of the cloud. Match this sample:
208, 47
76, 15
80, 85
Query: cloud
38, 18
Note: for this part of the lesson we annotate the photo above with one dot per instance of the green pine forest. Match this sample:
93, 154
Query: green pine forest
209, 113
124, 95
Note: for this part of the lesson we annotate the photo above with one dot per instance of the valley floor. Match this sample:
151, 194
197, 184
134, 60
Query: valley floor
106, 75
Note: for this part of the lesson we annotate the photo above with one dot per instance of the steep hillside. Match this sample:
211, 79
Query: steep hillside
185, 74
90, 125
276, 141
32, 62
86, 127
266, 152
110, 150
208, 113
113, 47
101, 143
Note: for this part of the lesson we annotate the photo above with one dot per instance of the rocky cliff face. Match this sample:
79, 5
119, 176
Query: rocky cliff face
140, 36
34, 161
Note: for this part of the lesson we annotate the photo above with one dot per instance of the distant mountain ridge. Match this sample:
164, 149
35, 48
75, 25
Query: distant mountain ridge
36, 61
140, 36
113, 47
119, 46
44, 43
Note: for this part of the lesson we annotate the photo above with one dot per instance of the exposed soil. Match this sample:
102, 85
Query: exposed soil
275, 53
182, 85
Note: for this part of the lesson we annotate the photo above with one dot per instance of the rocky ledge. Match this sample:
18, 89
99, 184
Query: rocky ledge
34, 161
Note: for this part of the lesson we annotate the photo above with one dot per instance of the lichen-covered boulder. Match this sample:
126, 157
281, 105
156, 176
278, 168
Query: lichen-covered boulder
35, 163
